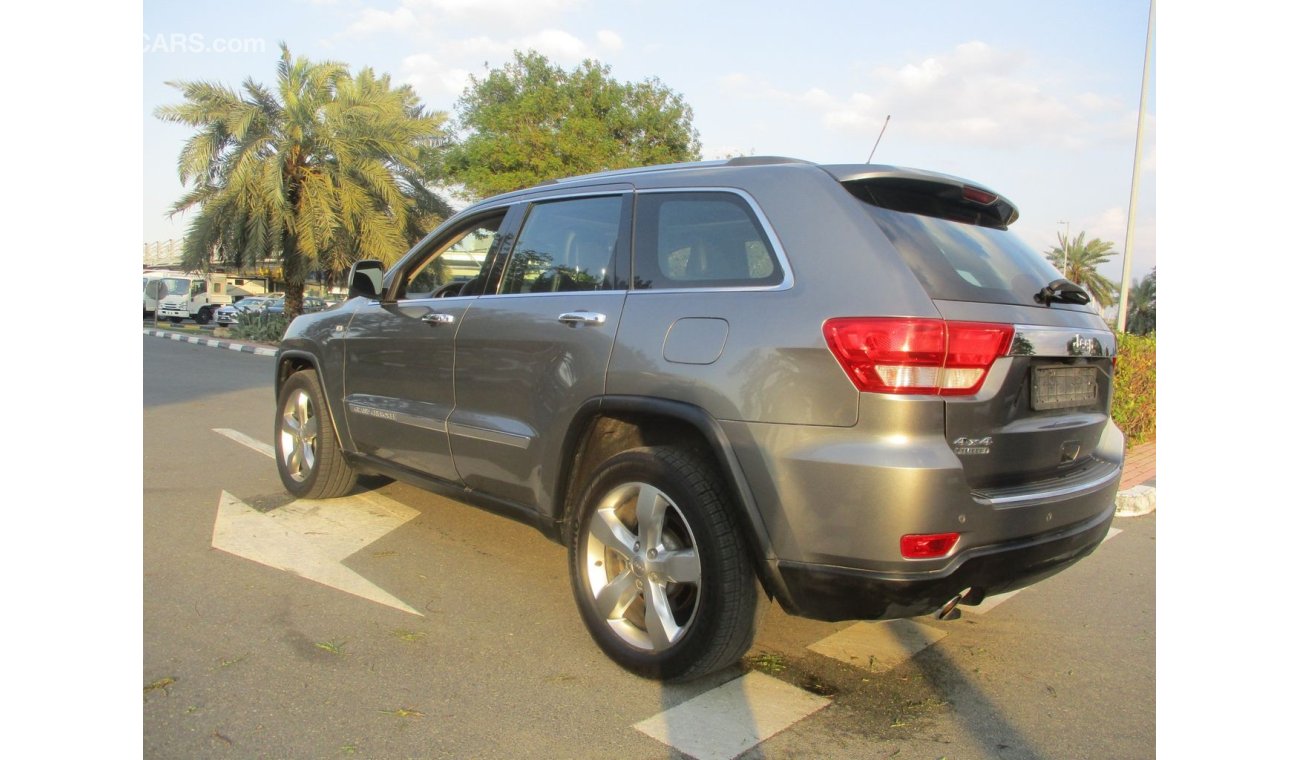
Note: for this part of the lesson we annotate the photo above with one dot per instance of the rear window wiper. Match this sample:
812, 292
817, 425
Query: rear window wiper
1064, 291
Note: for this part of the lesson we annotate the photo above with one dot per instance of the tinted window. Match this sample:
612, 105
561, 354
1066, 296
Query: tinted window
701, 240
456, 261
566, 246
963, 262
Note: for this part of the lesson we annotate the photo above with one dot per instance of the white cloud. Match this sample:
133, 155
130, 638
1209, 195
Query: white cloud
437, 23
426, 16
609, 40
973, 94
1091, 101
517, 13
555, 44
372, 20
432, 79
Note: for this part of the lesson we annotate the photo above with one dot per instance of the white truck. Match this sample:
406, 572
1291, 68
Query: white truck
195, 295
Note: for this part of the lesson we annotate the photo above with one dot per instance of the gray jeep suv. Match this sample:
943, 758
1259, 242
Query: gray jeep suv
845, 387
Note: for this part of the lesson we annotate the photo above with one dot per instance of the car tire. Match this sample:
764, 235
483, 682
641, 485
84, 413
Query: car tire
661, 573
175, 320
307, 451
204, 316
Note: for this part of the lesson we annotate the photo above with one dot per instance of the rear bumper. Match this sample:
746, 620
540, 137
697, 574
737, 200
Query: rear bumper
827, 592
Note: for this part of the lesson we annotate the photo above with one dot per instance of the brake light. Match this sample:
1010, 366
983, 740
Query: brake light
918, 356
927, 546
981, 197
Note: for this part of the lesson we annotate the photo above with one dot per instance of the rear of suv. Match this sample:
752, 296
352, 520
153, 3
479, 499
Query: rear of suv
849, 388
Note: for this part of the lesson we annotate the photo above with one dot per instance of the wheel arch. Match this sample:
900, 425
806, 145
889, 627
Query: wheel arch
610, 424
289, 361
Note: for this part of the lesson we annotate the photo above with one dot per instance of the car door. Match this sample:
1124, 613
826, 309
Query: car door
532, 352
398, 388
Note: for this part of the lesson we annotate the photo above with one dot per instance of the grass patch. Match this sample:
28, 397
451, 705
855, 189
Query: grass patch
260, 328
333, 647
769, 663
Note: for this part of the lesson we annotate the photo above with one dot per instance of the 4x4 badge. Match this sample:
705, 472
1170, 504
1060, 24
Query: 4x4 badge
967, 446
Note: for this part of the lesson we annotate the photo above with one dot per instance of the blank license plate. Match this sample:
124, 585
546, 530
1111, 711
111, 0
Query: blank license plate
1063, 387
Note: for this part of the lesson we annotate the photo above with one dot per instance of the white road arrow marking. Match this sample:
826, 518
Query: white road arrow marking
308, 537
311, 538
249, 441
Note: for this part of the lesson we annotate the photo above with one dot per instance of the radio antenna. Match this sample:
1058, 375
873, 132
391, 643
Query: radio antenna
882, 134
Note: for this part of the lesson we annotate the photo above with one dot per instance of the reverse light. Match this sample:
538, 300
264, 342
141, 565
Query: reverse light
917, 356
927, 546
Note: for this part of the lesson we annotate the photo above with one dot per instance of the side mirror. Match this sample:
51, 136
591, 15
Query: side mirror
366, 278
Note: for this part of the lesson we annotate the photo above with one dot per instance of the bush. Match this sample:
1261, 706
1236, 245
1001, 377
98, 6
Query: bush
262, 328
1134, 407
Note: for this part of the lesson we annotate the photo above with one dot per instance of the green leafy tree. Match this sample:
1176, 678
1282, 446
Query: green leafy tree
531, 121
322, 170
1141, 319
1078, 262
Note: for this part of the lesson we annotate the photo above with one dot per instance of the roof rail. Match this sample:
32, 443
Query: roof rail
737, 161
764, 160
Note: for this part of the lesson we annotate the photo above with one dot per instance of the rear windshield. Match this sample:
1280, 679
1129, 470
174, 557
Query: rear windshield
963, 262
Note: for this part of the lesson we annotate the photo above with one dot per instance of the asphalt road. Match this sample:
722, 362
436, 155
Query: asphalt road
242, 659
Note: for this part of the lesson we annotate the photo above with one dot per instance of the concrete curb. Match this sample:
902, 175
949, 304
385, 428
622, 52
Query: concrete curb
1135, 501
240, 347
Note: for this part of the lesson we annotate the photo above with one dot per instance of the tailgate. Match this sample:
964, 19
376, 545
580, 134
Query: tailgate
1042, 411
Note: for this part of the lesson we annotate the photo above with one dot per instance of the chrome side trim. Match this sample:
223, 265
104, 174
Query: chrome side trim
405, 418
491, 436
1037, 340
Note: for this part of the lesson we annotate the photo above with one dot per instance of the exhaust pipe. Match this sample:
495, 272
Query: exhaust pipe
949, 610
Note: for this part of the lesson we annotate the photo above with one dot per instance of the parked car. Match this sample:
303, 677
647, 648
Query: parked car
849, 388
229, 315
310, 305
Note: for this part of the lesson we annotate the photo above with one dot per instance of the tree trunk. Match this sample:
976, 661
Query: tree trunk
294, 276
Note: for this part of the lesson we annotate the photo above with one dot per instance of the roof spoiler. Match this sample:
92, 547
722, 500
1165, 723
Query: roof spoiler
928, 193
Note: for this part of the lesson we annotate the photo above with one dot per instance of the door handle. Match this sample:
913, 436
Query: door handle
575, 318
436, 318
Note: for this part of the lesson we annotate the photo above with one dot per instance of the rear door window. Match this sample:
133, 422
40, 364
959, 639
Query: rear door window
567, 246
701, 240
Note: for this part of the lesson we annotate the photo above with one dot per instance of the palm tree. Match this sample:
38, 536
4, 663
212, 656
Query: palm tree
1078, 263
320, 172
1142, 305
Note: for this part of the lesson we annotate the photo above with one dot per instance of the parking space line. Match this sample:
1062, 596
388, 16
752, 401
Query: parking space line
248, 441
731, 719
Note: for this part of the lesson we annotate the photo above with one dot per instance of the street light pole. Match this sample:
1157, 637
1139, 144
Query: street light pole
1121, 320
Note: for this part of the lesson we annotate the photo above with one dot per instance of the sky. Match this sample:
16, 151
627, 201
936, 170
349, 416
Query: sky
1038, 101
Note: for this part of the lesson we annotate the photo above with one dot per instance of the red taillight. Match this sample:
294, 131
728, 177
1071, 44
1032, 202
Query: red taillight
927, 546
929, 356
